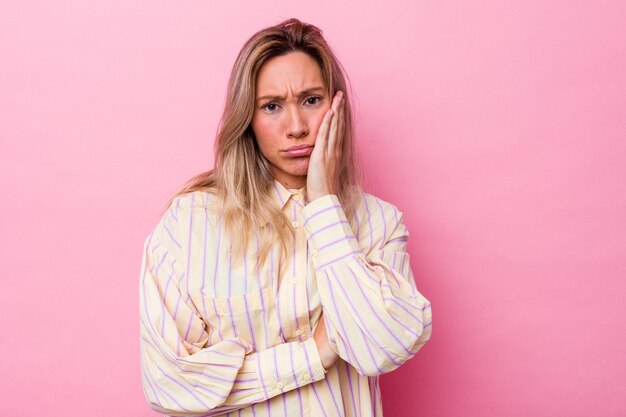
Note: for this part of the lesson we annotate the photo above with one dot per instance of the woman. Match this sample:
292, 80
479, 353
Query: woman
273, 286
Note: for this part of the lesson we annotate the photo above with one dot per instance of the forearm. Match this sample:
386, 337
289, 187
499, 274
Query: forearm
223, 377
376, 317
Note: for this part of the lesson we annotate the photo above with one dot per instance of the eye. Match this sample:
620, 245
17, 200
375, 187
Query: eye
269, 107
313, 100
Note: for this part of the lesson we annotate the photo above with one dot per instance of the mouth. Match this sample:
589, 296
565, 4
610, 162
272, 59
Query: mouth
299, 150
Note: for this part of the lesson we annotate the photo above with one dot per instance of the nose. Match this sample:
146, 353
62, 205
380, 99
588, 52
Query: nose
298, 127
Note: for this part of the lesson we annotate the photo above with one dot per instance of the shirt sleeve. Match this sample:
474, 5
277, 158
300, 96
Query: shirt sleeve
181, 374
376, 318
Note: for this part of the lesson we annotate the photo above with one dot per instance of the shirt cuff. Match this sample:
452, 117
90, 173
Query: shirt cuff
288, 366
328, 231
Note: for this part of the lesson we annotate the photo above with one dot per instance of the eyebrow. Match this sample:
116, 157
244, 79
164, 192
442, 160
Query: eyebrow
300, 94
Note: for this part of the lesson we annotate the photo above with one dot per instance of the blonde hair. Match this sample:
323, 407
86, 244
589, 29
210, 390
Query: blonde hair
242, 178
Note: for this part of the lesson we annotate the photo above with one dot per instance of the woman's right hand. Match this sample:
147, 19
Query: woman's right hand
327, 355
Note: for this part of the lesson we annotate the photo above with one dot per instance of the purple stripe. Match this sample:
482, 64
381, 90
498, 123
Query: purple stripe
180, 407
219, 322
293, 370
175, 212
242, 380
368, 274
176, 308
401, 239
260, 374
276, 296
395, 216
358, 224
294, 275
189, 241
337, 259
217, 255
153, 345
382, 215
348, 346
395, 263
258, 273
324, 210
369, 222
308, 364
189, 327
163, 304
276, 371
215, 272
328, 226
171, 236
191, 391
306, 280
156, 271
351, 388
334, 242
408, 329
406, 269
245, 300
226, 355
152, 331
399, 302
169, 280
278, 193
283, 396
230, 310
145, 376
380, 320
298, 203
361, 325
332, 394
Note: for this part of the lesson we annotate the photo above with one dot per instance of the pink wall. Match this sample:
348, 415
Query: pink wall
498, 128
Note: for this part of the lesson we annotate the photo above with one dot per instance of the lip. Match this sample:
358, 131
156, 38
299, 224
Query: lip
299, 150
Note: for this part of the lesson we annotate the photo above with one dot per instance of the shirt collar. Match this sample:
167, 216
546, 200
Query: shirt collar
282, 194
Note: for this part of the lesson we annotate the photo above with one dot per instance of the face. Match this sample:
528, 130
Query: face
291, 100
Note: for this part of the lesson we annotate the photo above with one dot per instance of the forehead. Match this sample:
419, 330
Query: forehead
294, 71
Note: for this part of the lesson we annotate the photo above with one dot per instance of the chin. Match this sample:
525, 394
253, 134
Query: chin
299, 169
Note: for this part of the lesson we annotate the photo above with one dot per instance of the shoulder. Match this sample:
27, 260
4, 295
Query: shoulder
201, 199
179, 219
376, 209
378, 221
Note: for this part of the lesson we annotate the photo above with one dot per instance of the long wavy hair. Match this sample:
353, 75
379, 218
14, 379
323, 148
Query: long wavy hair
242, 178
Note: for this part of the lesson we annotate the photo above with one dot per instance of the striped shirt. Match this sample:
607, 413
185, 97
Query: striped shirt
219, 336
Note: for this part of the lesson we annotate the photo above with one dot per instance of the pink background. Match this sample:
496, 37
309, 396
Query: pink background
497, 127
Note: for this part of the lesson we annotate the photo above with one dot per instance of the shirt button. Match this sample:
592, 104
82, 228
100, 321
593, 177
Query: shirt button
298, 332
306, 376
315, 252
295, 197
294, 281
379, 270
295, 225
279, 385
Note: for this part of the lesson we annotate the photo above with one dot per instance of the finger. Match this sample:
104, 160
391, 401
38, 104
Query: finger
341, 125
322, 133
332, 136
